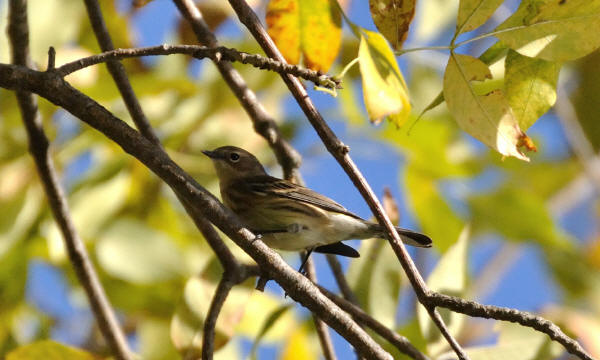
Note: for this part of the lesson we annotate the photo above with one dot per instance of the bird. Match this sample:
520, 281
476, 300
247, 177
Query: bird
290, 217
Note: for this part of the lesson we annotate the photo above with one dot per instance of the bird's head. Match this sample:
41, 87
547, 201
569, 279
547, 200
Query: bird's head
233, 163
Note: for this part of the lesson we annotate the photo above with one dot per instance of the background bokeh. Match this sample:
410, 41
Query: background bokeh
531, 239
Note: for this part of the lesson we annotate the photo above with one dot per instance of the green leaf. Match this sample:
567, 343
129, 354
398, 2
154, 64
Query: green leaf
473, 13
487, 116
19, 211
530, 86
448, 277
384, 89
392, 18
131, 251
586, 97
312, 28
268, 324
376, 278
154, 341
48, 350
553, 30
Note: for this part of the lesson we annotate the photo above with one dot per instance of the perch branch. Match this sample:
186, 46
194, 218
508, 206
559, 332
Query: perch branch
18, 32
52, 87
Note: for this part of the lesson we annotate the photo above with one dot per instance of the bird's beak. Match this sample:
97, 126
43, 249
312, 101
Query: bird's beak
210, 154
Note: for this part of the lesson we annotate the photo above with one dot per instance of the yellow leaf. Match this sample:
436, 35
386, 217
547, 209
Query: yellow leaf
49, 350
384, 89
299, 346
392, 18
473, 13
308, 27
283, 25
487, 117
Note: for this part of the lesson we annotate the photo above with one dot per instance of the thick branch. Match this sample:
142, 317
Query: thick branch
117, 71
201, 52
333, 145
263, 123
399, 341
51, 86
18, 33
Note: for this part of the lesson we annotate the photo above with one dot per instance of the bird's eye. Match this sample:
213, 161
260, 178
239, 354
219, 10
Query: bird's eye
234, 157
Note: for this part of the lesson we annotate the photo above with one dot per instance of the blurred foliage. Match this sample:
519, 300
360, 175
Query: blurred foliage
160, 274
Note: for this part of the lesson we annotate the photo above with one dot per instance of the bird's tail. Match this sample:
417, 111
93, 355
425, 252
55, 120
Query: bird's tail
409, 237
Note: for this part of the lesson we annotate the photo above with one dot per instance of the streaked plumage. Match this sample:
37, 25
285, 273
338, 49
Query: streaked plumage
289, 216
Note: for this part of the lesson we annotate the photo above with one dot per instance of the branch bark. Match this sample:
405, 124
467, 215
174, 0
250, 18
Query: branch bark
18, 33
263, 123
216, 54
321, 327
52, 87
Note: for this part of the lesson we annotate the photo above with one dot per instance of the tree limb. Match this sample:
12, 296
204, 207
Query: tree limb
320, 326
52, 87
18, 33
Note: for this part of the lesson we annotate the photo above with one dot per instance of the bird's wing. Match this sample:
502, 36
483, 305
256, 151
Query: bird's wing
268, 185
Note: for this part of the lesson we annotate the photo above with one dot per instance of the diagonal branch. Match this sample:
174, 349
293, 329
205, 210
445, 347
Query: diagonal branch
18, 33
52, 87
263, 123
216, 54
336, 148
117, 71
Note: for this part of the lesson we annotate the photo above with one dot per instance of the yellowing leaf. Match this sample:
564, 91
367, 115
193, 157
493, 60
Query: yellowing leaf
553, 30
530, 86
312, 28
321, 33
384, 89
299, 346
487, 117
48, 350
283, 26
473, 13
392, 18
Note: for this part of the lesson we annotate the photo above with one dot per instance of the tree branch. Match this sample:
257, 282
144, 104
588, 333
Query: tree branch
263, 123
340, 279
117, 71
52, 87
208, 335
18, 33
320, 326
333, 145
201, 52
399, 341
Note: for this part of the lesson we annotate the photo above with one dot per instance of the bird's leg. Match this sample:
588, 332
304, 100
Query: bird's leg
301, 269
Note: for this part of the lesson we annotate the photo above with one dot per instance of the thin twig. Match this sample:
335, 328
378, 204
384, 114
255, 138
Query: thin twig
400, 342
333, 145
201, 52
340, 279
117, 71
18, 32
263, 123
210, 323
439, 322
52, 87
320, 326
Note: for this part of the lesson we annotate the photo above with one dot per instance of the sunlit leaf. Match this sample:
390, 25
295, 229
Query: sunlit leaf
268, 324
448, 277
19, 211
384, 89
473, 13
553, 30
131, 251
530, 86
265, 318
49, 350
392, 18
311, 28
154, 341
188, 322
376, 278
299, 346
586, 97
434, 17
486, 116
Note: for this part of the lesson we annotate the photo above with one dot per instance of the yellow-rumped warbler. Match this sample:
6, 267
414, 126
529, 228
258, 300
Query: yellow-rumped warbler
288, 216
